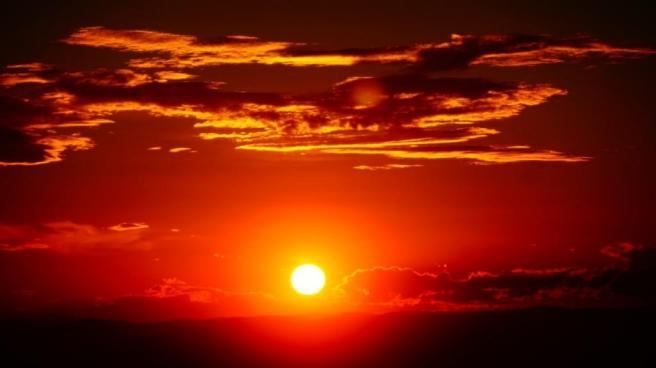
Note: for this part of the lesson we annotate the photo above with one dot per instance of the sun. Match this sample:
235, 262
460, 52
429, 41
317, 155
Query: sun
308, 279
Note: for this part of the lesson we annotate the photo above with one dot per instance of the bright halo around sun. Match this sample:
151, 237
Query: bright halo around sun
308, 279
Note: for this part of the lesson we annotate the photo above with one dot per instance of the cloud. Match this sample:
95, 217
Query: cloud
521, 50
14, 79
168, 75
24, 74
385, 167
68, 237
174, 287
170, 50
181, 150
638, 278
129, 226
404, 287
184, 51
400, 286
398, 116
477, 154
622, 251
21, 149
30, 67
16, 75
403, 116
173, 298
22, 146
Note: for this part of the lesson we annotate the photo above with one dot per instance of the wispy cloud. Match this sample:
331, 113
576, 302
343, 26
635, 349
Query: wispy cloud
385, 167
71, 237
400, 116
129, 226
185, 51
403, 116
181, 150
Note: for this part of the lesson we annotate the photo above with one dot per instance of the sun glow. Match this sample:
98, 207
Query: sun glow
308, 279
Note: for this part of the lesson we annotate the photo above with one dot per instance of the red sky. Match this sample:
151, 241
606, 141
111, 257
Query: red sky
456, 157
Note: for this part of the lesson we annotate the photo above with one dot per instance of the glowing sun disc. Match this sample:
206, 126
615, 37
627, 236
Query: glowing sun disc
308, 279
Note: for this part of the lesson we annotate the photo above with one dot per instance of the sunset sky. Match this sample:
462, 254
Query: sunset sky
163, 160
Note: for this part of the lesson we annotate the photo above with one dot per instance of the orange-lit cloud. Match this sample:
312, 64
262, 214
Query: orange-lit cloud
385, 167
47, 150
482, 154
129, 226
181, 149
425, 149
168, 75
401, 116
17, 74
44, 74
13, 79
31, 67
185, 51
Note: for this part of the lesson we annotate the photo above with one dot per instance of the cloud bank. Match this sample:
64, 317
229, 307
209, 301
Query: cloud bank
410, 116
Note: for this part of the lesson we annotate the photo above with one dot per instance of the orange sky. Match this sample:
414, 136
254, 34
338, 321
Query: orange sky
185, 168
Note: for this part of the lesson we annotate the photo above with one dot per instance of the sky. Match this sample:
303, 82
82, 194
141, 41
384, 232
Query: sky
179, 159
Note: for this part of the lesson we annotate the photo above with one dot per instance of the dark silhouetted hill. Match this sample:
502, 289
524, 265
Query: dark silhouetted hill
526, 338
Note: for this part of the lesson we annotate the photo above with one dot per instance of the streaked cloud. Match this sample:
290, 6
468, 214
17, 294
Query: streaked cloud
71, 237
185, 51
181, 150
402, 116
520, 50
129, 226
385, 167
27, 151
479, 154
399, 116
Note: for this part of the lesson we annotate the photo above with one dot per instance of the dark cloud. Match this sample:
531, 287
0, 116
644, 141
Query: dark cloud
21, 147
201, 94
461, 51
406, 287
16, 146
639, 277
513, 50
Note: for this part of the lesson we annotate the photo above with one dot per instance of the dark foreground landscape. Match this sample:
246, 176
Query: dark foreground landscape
529, 338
